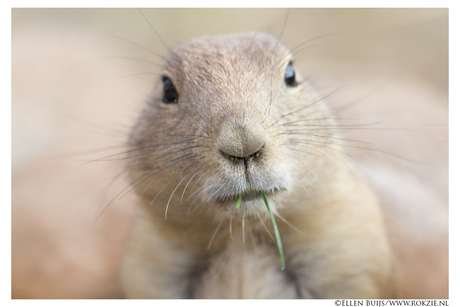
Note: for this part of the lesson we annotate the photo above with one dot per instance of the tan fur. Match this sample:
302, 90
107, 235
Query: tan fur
186, 242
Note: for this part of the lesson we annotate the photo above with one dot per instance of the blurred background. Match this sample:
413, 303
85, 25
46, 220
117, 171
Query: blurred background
80, 77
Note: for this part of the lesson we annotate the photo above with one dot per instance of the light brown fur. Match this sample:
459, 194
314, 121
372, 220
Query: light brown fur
190, 240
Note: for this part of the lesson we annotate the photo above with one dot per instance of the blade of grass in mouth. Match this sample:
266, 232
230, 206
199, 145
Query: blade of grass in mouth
275, 228
238, 204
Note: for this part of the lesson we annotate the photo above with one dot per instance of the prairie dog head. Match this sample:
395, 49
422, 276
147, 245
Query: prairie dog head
230, 115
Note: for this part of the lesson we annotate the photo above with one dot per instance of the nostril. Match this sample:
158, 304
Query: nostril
231, 158
243, 158
257, 153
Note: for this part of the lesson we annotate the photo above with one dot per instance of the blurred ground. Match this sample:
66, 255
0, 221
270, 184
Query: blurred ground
75, 95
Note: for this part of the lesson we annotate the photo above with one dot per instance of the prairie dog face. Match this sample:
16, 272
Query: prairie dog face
229, 116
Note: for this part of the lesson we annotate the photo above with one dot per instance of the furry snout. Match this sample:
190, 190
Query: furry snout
241, 142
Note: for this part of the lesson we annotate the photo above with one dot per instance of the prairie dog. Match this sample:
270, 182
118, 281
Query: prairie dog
230, 115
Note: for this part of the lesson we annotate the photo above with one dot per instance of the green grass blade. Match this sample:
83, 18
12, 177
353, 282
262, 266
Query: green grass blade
238, 204
275, 229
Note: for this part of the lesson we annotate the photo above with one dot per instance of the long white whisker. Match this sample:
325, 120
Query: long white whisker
215, 232
242, 225
167, 205
196, 183
292, 226
183, 193
265, 227
231, 221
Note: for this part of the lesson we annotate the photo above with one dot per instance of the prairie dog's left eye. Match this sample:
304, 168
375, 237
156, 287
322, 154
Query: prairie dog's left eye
170, 94
289, 77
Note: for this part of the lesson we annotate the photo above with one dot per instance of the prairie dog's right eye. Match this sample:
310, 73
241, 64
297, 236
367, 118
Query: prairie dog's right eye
289, 77
170, 94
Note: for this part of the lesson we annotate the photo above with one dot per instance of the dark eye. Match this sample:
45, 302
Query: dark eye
170, 94
289, 77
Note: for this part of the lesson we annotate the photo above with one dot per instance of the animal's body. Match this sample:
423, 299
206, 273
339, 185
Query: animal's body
230, 115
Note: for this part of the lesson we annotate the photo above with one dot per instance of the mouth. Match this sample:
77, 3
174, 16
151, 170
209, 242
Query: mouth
248, 196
